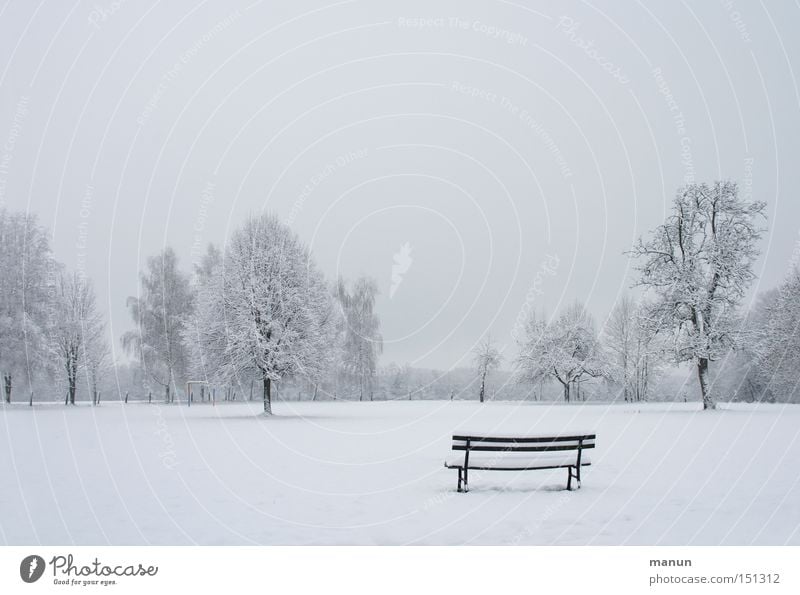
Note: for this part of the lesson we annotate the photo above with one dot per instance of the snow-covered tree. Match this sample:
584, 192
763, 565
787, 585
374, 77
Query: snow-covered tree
77, 330
97, 359
96, 349
566, 350
486, 358
362, 338
698, 264
328, 352
207, 266
206, 276
160, 312
399, 380
632, 348
26, 284
774, 343
268, 311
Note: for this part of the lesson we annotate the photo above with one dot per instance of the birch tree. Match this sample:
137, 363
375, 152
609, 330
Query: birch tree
486, 358
268, 311
698, 265
160, 312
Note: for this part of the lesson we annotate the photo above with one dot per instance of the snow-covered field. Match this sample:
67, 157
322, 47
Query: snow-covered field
371, 473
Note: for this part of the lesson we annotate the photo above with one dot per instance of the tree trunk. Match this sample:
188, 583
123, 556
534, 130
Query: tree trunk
7, 386
267, 395
566, 391
705, 390
73, 373
644, 382
166, 389
483, 386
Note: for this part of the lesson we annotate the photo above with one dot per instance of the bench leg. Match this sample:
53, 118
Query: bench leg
459, 480
466, 480
576, 475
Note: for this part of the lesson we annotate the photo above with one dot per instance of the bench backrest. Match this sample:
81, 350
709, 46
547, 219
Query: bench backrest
475, 443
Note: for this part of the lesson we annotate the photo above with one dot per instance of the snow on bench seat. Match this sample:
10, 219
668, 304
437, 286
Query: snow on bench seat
521, 461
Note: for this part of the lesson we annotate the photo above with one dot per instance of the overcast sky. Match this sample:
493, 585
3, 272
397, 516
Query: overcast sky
500, 155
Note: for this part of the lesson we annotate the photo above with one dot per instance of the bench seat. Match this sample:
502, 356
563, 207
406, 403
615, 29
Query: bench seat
520, 462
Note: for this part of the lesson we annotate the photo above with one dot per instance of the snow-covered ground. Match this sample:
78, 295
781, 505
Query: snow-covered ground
371, 473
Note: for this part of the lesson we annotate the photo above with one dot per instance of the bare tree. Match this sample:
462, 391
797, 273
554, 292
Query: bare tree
160, 312
207, 272
77, 329
486, 358
566, 350
97, 356
632, 348
362, 338
26, 284
207, 266
774, 346
699, 263
268, 311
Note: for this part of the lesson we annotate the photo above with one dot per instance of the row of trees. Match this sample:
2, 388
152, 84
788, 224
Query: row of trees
260, 311
767, 367
50, 324
695, 270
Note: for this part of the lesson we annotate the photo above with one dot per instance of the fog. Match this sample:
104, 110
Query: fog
478, 159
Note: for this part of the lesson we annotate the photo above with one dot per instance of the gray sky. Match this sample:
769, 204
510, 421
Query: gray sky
516, 149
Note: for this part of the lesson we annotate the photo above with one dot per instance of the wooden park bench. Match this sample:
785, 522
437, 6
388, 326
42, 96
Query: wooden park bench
520, 453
